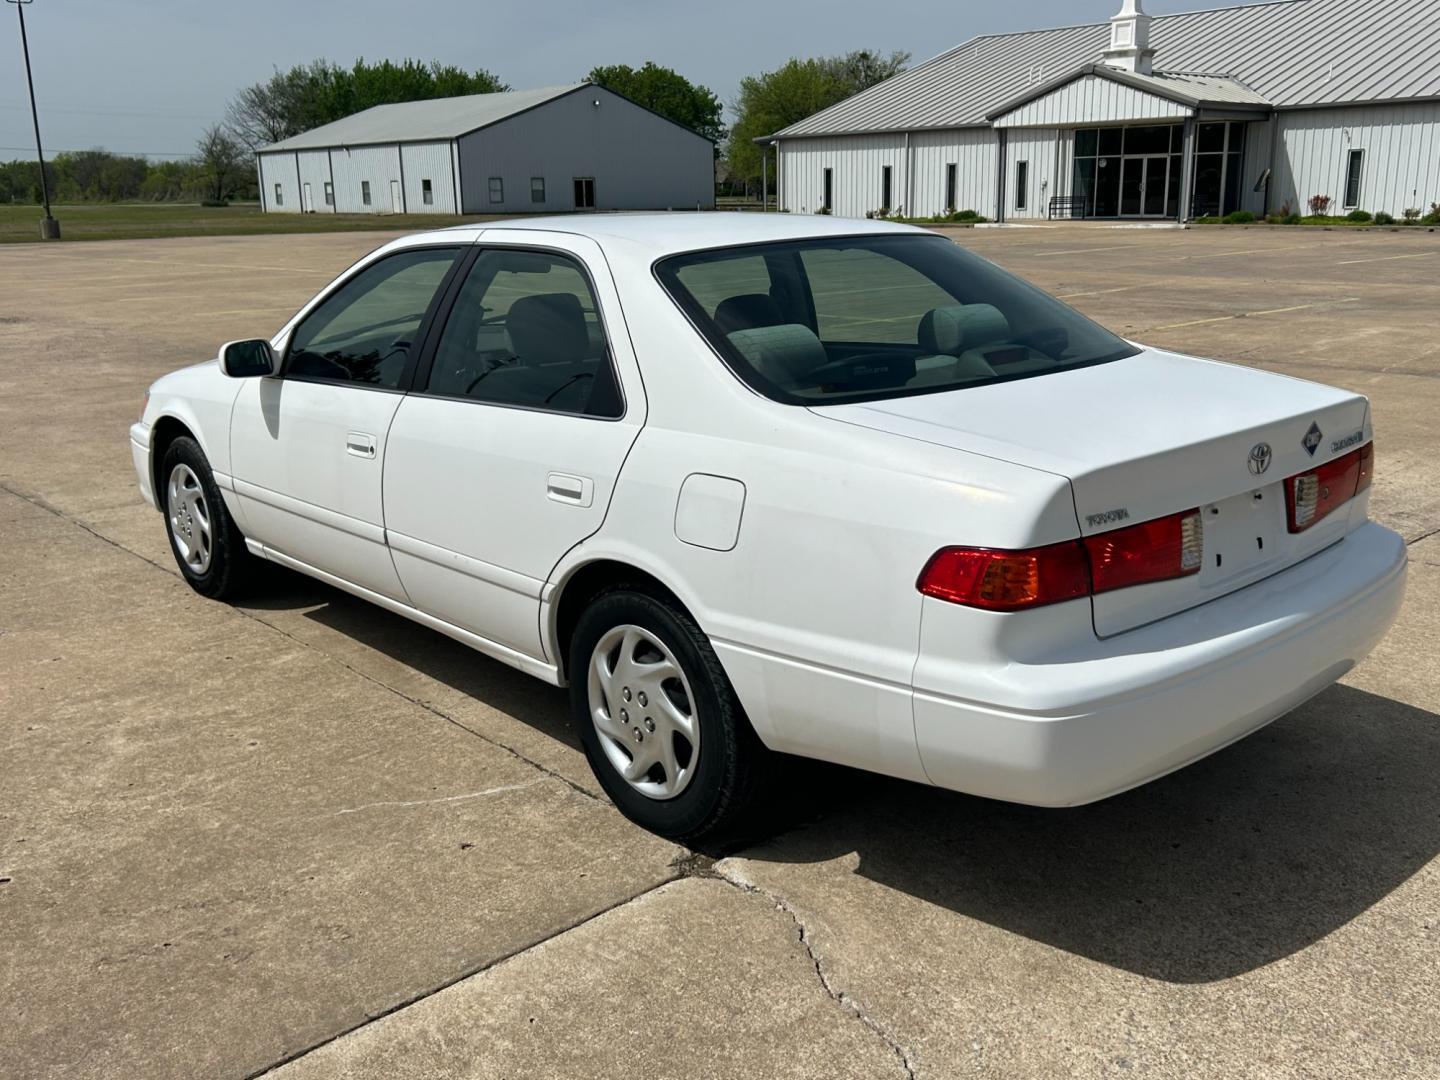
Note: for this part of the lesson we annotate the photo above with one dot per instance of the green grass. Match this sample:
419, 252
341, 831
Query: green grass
133, 221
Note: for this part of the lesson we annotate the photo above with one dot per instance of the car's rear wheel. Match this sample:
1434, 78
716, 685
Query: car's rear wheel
208, 547
660, 723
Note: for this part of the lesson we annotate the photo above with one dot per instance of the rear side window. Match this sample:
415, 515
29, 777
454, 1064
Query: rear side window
874, 316
525, 331
363, 332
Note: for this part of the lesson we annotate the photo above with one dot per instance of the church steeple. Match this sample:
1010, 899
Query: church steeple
1130, 39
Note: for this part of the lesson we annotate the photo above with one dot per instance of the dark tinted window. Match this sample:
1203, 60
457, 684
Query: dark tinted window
525, 330
363, 332
892, 315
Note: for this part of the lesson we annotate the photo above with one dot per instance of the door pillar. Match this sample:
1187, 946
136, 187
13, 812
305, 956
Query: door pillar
1187, 170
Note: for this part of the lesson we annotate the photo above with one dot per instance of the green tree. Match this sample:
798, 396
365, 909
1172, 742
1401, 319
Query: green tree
221, 161
666, 92
319, 92
799, 88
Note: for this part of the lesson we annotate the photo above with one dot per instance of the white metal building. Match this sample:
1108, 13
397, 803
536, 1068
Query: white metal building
1179, 116
577, 147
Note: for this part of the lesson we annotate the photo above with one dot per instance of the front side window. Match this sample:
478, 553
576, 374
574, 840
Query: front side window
497, 189
868, 317
1354, 169
365, 192
537, 189
363, 332
329, 193
427, 193
1022, 184
525, 331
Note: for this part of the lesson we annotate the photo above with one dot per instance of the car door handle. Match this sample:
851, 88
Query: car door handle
575, 490
360, 444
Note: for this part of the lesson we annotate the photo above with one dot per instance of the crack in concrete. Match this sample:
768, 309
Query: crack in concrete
441, 799
840, 997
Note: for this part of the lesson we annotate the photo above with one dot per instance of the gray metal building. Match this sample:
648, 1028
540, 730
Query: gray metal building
576, 147
1171, 117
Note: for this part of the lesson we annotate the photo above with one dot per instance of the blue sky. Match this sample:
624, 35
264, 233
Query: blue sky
148, 75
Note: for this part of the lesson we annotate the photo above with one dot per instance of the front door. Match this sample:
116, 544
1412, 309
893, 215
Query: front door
1144, 186
504, 455
584, 193
307, 201
1157, 186
397, 204
307, 446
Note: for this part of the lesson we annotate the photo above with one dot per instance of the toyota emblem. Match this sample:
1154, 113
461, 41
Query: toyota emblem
1259, 458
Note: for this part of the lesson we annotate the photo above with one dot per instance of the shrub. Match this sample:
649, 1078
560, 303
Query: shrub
214, 202
1360, 217
1293, 219
1239, 217
1382, 218
1411, 214
1207, 219
1319, 204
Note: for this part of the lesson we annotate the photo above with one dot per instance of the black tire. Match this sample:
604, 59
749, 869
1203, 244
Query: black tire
720, 805
230, 562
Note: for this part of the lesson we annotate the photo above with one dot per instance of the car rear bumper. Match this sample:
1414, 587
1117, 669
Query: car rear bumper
140, 455
1078, 722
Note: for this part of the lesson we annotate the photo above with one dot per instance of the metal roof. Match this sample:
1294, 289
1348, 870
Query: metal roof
421, 121
1187, 87
1291, 53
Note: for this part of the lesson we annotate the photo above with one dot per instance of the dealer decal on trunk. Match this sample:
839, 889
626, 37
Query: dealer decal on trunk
1311, 442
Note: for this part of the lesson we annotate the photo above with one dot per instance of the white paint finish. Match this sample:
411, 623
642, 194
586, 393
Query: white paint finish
1402, 156
709, 510
1091, 99
857, 161
972, 151
429, 161
815, 614
280, 169
315, 171
640, 161
1254, 162
377, 164
1041, 147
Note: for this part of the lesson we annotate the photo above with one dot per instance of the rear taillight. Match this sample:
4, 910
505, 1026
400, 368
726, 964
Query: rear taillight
1312, 495
998, 580
1007, 580
1158, 550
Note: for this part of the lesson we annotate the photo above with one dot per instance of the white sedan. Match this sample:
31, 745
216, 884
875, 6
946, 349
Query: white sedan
751, 484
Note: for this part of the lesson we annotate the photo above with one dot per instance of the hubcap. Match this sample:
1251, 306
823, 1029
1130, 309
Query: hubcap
189, 519
653, 739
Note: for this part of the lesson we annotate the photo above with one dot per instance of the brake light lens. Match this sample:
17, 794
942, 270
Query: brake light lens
1007, 580
1311, 496
1158, 550
998, 580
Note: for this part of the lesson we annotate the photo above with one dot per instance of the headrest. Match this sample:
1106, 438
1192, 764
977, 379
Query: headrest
783, 354
952, 330
747, 312
548, 328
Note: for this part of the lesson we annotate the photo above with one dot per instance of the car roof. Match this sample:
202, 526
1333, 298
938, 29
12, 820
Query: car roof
659, 234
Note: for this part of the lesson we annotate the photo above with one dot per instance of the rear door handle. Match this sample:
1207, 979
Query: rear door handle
360, 444
565, 488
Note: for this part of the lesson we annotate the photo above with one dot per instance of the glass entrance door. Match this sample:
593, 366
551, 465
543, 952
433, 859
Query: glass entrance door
1145, 186
1156, 187
1132, 186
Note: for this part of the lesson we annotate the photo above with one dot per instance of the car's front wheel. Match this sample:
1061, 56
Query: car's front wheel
660, 724
208, 547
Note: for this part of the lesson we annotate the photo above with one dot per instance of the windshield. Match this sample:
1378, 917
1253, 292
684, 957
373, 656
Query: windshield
864, 317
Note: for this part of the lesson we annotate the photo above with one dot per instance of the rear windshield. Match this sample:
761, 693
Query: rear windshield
866, 317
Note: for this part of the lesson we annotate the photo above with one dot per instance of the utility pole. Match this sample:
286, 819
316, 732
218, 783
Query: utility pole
49, 228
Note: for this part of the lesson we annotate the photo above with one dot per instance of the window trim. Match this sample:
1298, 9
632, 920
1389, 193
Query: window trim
951, 187
543, 195
427, 191
1347, 203
365, 193
422, 331
827, 191
887, 193
329, 192
279, 195
419, 373
490, 184
1022, 184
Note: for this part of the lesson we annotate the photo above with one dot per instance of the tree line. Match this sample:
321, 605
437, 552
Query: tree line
309, 95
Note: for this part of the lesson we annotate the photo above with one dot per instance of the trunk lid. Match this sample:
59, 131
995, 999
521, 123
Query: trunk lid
1151, 435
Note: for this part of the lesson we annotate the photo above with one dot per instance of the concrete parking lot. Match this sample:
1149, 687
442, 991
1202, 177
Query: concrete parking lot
308, 837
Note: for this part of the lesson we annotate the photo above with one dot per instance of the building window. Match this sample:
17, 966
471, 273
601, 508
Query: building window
279, 196
828, 195
365, 192
427, 193
584, 193
885, 187
329, 193
1022, 184
950, 188
1354, 168
497, 189
537, 189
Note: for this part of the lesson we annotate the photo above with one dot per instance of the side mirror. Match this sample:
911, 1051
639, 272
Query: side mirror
247, 359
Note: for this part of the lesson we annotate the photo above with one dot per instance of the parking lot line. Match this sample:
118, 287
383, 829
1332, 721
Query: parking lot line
1385, 258
1097, 292
1249, 314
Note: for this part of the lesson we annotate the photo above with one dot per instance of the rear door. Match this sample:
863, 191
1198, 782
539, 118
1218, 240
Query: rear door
307, 446
506, 452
